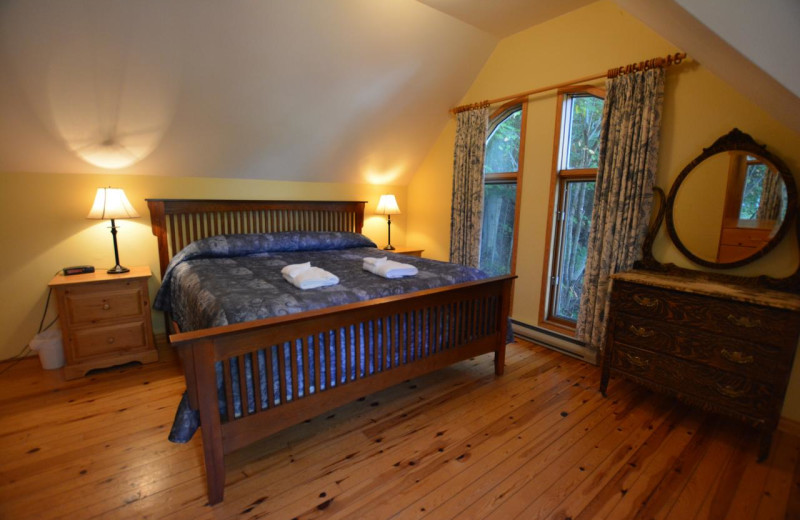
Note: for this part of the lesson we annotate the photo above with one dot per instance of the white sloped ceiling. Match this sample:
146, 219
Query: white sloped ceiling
307, 90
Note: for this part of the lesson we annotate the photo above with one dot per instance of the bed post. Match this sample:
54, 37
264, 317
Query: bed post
360, 216
500, 349
158, 222
206, 383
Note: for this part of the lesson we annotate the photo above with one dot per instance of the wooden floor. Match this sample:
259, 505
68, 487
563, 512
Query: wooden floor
539, 442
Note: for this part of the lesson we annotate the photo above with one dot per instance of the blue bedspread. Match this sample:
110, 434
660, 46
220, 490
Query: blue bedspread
236, 278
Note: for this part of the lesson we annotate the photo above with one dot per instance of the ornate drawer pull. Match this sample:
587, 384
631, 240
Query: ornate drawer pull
641, 331
637, 361
644, 301
729, 391
736, 357
744, 321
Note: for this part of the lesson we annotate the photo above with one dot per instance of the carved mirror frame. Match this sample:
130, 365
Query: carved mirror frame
735, 140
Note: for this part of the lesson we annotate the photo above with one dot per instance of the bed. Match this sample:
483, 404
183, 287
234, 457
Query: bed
252, 376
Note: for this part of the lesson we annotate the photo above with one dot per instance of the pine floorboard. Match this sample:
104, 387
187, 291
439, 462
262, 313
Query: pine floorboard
538, 442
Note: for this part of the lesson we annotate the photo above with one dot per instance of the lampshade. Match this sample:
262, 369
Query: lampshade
111, 203
387, 205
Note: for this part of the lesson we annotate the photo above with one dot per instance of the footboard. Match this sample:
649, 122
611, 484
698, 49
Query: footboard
281, 371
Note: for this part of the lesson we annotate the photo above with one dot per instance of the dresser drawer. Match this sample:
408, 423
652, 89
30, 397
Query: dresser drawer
708, 387
97, 341
97, 304
731, 318
758, 360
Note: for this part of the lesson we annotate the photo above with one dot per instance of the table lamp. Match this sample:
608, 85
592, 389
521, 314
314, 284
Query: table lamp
387, 205
111, 203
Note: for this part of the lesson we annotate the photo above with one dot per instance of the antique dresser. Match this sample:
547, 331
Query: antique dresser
720, 342
723, 348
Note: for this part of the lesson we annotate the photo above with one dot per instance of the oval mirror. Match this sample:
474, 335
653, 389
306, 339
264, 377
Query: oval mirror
732, 204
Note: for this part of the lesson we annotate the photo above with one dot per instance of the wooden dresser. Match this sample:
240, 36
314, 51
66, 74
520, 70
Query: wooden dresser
105, 319
725, 348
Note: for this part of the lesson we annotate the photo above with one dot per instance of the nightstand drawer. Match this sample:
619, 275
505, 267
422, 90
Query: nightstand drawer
114, 338
93, 305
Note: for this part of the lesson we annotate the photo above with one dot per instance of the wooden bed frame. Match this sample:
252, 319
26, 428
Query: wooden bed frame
428, 329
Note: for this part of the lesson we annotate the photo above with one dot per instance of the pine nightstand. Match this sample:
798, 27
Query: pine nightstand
105, 319
408, 251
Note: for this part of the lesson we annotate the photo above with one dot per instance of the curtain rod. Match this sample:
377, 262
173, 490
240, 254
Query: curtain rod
671, 59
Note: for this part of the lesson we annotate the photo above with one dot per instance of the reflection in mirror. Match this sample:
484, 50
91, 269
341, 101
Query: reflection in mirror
732, 204
755, 205
742, 218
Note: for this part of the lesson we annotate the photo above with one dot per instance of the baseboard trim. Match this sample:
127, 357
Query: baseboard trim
554, 341
789, 426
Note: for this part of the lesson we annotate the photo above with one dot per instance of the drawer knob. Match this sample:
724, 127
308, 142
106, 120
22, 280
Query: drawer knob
729, 391
744, 321
637, 361
641, 331
736, 357
106, 306
110, 340
644, 301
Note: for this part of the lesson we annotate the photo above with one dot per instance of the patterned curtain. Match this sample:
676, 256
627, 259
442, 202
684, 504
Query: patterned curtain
773, 194
623, 192
467, 209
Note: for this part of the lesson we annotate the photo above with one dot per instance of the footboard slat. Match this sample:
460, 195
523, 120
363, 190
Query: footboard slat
323, 347
259, 372
228, 382
306, 382
293, 362
245, 400
349, 354
282, 372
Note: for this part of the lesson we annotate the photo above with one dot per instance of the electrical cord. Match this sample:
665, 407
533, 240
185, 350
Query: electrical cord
22, 354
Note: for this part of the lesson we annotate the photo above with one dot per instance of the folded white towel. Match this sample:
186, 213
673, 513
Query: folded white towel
389, 268
374, 261
311, 278
295, 269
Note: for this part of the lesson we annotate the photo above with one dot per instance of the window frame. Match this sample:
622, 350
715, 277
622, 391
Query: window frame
495, 119
560, 177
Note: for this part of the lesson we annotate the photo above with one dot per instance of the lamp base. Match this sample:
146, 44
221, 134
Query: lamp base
118, 269
390, 247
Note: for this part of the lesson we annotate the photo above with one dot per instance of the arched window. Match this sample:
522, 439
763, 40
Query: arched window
502, 179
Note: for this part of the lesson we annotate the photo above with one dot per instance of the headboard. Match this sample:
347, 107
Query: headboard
178, 222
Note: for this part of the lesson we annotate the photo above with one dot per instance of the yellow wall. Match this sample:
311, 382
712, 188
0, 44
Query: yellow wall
698, 108
43, 228
693, 205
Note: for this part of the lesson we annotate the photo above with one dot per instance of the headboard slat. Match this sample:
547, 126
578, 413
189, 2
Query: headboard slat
178, 222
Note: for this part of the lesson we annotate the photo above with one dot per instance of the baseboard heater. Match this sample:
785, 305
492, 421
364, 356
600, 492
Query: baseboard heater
552, 340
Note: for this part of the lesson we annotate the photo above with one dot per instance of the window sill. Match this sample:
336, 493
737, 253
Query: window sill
558, 328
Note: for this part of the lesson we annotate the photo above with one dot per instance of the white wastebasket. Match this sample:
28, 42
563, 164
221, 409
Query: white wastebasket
48, 345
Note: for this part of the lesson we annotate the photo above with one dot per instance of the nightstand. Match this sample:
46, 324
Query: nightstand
105, 319
408, 251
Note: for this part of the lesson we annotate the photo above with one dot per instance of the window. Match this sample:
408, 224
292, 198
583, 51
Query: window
757, 179
575, 160
502, 177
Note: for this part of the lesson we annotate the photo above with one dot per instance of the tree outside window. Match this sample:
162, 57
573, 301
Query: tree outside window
502, 168
576, 158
